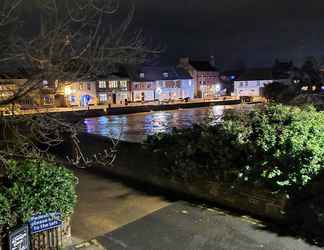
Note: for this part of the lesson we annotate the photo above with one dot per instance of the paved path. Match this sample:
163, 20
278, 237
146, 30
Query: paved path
105, 205
113, 216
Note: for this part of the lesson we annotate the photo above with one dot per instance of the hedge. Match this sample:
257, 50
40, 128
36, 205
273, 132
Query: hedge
35, 186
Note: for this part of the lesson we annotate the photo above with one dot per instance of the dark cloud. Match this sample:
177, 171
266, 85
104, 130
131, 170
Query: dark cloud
256, 31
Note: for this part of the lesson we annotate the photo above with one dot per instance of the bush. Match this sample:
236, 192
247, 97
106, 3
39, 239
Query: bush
278, 146
36, 186
5, 216
287, 146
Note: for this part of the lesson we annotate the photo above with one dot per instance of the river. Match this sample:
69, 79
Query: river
135, 127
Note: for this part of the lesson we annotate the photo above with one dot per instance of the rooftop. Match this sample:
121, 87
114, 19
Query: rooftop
256, 74
155, 73
202, 65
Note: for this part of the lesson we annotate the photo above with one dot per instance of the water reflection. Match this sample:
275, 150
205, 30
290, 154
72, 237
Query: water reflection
135, 127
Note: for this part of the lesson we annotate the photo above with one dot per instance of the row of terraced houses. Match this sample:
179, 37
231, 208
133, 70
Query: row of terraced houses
188, 80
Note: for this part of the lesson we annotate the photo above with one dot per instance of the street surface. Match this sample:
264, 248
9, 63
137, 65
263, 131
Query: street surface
114, 215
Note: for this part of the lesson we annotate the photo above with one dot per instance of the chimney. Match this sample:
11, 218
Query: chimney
212, 61
184, 61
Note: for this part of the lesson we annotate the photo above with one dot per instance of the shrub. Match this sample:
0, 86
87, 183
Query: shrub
287, 146
278, 146
37, 186
5, 216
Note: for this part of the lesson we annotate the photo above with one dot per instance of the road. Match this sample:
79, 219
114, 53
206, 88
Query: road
116, 215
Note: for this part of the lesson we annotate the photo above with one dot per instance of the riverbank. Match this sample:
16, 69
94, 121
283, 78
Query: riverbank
136, 162
96, 111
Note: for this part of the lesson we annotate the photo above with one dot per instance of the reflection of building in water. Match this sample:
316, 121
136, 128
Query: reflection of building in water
135, 127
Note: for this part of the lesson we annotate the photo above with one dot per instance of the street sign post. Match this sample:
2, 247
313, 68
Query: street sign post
19, 239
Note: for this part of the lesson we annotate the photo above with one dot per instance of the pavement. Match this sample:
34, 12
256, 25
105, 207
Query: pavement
115, 215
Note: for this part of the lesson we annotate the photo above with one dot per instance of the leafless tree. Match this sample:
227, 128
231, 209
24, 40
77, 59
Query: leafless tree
60, 40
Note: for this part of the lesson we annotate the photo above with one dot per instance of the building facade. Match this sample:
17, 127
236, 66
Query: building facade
113, 89
205, 76
12, 84
75, 93
161, 84
252, 81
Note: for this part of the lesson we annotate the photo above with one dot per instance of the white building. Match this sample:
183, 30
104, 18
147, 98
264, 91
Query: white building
161, 83
252, 82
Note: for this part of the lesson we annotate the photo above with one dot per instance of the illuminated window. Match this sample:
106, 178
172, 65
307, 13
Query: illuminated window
142, 75
81, 86
47, 100
103, 97
102, 84
165, 74
123, 84
72, 98
113, 84
45, 84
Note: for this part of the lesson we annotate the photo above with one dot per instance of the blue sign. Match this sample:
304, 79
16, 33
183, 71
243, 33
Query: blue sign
19, 239
42, 222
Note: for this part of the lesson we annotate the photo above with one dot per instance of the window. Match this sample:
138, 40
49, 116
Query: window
113, 84
241, 84
103, 97
102, 84
45, 84
165, 74
81, 86
142, 75
89, 86
148, 85
72, 99
123, 84
47, 100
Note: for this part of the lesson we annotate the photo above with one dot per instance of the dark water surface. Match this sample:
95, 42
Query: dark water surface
135, 127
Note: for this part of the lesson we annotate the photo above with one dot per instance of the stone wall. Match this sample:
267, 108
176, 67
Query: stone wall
135, 162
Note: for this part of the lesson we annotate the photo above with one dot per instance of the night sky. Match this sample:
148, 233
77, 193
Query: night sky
236, 32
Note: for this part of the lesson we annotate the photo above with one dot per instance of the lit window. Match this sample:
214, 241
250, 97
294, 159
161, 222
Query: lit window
72, 99
142, 75
113, 84
45, 84
81, 86
103, 97
47, 100
123, 84
165, 74
102, 84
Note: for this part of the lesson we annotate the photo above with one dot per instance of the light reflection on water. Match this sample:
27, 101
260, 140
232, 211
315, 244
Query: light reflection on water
135, 127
